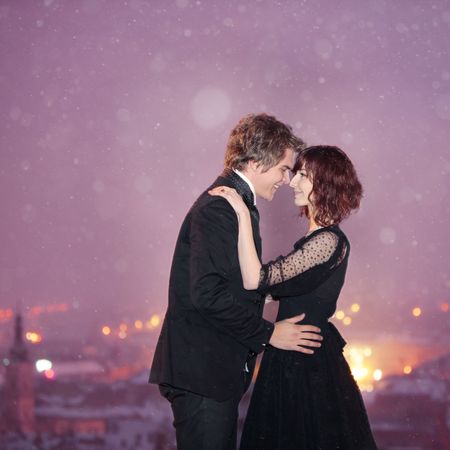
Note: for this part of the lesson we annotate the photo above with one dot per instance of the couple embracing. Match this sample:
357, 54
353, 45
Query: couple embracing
305, 397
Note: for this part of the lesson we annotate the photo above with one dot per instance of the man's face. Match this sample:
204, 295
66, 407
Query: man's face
266, 183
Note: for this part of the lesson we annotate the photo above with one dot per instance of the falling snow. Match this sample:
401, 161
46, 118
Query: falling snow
115, 117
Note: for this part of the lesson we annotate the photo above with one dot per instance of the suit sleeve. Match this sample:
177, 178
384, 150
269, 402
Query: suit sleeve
213, 234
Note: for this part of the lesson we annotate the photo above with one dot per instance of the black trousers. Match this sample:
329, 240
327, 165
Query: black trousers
203, 423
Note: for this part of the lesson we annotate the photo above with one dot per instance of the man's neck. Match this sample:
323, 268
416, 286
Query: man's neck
247, 180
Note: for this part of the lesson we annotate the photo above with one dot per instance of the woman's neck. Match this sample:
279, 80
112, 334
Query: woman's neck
313, 226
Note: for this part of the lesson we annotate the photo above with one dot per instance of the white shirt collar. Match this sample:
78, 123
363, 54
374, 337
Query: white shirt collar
248, 182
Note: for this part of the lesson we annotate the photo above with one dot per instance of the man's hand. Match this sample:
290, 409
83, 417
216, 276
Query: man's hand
287, 335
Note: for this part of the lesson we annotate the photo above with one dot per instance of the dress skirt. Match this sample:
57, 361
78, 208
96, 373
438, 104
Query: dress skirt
307, 402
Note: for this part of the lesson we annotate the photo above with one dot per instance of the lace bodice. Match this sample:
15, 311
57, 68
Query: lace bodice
312, 260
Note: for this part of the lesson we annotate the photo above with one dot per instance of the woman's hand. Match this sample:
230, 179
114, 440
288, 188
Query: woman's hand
233, 198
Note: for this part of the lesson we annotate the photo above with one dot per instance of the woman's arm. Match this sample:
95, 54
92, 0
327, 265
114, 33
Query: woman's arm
306, 267
311, 262
248, 258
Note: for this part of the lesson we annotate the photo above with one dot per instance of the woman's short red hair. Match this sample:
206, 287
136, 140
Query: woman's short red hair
336, 188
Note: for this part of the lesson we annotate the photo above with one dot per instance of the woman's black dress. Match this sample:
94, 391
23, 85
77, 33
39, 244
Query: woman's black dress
308, 402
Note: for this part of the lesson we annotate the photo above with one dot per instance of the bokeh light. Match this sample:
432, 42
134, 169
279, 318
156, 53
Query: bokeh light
407, 370
49, 374
43, 365
33, 337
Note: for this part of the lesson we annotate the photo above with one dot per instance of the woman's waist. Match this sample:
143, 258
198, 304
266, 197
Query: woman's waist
332, 339
313, 316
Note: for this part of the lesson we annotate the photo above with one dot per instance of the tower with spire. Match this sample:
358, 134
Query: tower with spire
19, 392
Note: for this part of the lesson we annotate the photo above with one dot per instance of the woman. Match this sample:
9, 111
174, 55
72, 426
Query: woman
303, 401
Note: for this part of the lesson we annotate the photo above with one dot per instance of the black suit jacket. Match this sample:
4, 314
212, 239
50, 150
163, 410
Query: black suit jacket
213, 326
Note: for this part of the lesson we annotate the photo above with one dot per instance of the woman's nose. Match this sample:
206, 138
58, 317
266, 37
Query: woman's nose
293, 181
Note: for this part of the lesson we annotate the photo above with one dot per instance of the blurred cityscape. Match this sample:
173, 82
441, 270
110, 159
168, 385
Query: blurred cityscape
88, 390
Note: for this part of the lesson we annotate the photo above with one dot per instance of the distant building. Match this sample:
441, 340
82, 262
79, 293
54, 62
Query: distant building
413, 412
19, 401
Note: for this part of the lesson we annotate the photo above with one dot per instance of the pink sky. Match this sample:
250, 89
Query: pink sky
115, 115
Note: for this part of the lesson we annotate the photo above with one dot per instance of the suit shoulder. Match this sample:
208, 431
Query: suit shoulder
211, 204
213, 212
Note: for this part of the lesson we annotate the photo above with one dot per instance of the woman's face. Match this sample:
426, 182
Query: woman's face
302, 186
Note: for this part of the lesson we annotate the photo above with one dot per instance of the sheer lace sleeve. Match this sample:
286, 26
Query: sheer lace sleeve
322, 251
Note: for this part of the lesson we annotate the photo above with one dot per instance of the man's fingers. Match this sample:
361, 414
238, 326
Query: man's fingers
296, 319
304, 350
307, 343
308, 329
313, 336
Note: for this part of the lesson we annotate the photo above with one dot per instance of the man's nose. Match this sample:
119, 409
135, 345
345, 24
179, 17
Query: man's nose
287, 178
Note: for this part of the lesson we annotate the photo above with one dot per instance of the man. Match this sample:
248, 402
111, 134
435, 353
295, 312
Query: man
213, 327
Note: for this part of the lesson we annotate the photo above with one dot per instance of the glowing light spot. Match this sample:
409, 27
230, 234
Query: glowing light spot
444, 307
6, 314
43, 365
122, 334
155, 320
377, 375
347, 320
360, 373
340, 315
33, 337
138, 324
50, 374
106, 330
123, 327
416, 312
361, 367
407, 370
355, 307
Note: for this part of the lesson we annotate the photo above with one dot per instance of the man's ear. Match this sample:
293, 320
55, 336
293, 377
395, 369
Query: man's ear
253, 166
